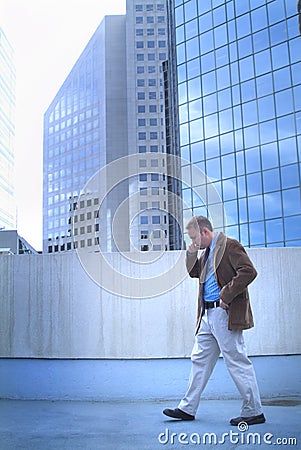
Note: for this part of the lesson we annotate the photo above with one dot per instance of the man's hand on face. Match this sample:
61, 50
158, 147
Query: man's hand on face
193, 248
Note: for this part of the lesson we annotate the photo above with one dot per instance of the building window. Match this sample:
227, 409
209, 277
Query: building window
142, 136
150, 31
151, 69
155, 220
143, 220
139, 20
150, 19
144, 248
139, 8
150, 44
140, 57
143, 234
153, 135
154, 177
140, 69
141, 122
152, 96
149, 7
161, 31
143, 206
142, 148
141, 96
162, 56
161, 19
142, 177
152, 108
153, 122
155, 205
157, 234
154, 148
143, 191
151, 56
151, 82
139, 44
156, 247
142, 162
141, 108
139, 32
160, 7
162, 44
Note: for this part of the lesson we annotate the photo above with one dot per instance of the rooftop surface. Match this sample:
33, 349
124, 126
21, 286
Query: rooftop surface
70, 425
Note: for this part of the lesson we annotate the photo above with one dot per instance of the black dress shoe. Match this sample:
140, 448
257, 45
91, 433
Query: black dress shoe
177, 414
252, 420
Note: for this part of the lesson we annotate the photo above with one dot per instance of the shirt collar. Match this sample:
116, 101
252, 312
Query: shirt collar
213, 243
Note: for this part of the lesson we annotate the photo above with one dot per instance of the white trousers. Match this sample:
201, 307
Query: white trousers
214, 337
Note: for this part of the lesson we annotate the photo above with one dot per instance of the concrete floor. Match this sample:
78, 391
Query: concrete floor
70, 425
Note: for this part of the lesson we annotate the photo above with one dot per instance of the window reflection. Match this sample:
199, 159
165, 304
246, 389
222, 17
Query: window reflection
288, 151
290, 176
274, 230
257, 233
255, 208
271, 180
291, 201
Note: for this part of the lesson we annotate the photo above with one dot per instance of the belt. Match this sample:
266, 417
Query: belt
209, 305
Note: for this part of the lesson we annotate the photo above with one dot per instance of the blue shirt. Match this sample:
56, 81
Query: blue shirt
211, 290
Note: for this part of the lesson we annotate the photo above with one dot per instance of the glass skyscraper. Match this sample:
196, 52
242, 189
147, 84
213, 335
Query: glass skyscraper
111, 105
238, 66
7, 134
80, 137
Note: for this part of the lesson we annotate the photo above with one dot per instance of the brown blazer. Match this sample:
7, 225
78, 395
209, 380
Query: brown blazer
234, 271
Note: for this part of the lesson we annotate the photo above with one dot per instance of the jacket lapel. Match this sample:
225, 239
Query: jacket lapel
219, 250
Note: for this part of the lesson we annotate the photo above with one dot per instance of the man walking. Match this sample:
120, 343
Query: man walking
224, 311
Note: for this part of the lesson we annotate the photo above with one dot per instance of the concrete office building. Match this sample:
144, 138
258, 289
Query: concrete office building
7, 133
238, 67
146, 51
111, 105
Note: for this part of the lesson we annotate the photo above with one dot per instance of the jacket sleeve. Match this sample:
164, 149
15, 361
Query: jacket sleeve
245, 272
192, 265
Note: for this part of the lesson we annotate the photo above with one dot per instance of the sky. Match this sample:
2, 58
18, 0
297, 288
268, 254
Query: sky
47, 36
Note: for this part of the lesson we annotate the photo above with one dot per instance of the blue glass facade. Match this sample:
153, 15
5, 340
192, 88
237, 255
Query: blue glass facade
239, 97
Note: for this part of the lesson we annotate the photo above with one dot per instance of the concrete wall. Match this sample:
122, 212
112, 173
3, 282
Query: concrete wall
50, 308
